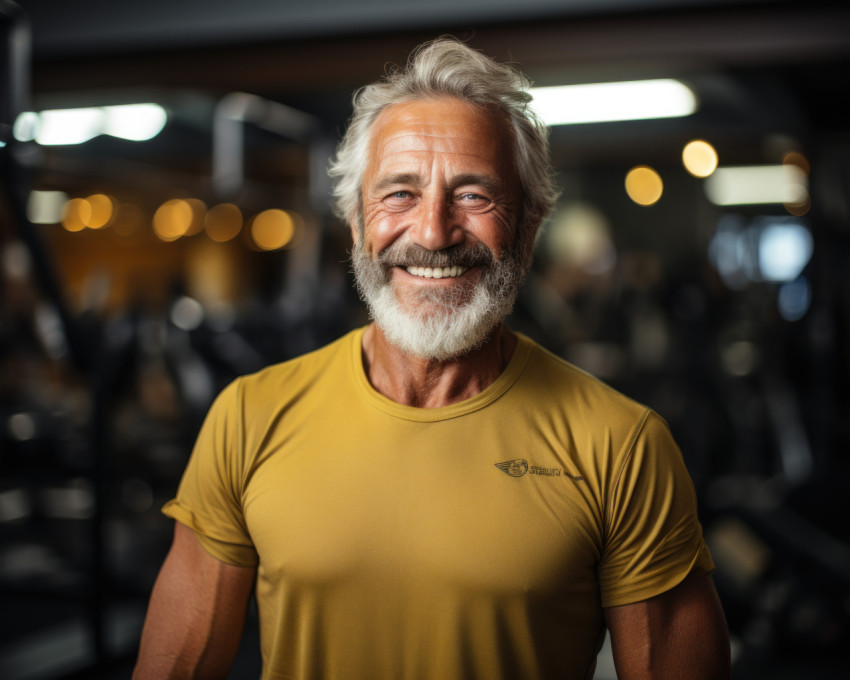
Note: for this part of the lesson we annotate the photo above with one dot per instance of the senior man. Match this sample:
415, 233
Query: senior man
435, 496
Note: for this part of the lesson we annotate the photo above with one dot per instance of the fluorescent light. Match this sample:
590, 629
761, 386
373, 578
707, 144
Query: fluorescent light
45, 207
757, 184
135, 122
25, 126
68, 126
604, 102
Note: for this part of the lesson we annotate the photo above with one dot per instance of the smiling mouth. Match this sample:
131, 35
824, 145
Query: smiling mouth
437, 272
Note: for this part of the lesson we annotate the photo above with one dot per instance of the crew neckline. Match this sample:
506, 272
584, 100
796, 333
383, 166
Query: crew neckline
487, 396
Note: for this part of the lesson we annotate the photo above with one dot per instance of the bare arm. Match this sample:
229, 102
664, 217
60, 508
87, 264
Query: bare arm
196, 614
680, 634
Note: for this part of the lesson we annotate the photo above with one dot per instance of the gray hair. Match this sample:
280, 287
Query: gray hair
448, 68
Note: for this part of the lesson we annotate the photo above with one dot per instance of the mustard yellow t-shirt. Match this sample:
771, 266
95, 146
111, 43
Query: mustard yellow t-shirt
478, 540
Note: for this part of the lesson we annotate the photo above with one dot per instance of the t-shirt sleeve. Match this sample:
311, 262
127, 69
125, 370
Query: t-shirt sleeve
209, 497
653, 536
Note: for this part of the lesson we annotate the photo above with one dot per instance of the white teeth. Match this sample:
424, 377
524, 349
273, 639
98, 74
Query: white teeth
436, 272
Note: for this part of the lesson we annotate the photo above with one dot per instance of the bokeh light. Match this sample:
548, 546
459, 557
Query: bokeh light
187, 313
579, 236
102, 210
76, 214
223, 222
799, 208
16, 261
21, 426
784, 249
794, 299
644, 185
272, 229
766, 248
199, 211
699, 158
803, 205
740, 358
172, 219
798, 159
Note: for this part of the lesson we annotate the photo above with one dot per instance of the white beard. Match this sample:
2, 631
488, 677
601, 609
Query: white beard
442, 323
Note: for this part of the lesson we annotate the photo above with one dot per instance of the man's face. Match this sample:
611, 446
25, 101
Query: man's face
436, 254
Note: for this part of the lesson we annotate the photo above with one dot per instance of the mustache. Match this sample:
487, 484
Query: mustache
413, 255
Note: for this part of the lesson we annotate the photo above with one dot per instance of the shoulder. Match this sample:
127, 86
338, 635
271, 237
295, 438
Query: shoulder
605, 426
579, 393
290, 376
260, 396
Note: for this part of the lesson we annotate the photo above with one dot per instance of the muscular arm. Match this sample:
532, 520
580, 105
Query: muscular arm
676, 635
196, 613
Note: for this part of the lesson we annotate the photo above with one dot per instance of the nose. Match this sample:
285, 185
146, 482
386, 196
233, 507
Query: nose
435, 226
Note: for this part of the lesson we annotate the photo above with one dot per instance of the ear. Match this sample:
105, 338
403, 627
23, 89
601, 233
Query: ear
355, 232
355, 221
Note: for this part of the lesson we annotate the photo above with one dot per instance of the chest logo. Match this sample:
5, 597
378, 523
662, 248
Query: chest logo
514, 468
519, 467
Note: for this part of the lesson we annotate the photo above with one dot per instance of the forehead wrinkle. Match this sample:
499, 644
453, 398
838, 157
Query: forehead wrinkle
401, 138
393, 160
431, 135
417, 117
392, 148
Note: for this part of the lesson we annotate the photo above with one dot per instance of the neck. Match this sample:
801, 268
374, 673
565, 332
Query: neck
427, 383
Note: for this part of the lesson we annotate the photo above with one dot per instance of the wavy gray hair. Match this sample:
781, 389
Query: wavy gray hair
448, 68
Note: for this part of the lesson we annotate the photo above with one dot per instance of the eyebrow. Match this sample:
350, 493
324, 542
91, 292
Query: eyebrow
490, 184
394, 180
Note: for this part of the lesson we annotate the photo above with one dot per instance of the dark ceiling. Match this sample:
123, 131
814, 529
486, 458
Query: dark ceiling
265, 46
64, 28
